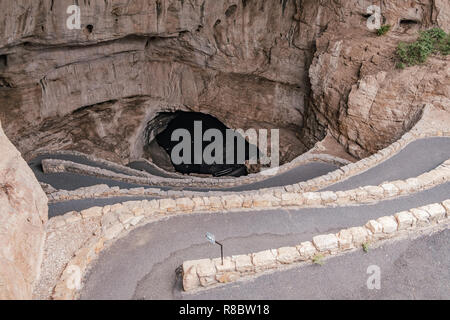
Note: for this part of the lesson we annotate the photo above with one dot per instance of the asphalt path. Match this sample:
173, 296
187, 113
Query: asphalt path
73, 181
144, 166
418, 157
298, 174
409, 270
142, 264
429, 153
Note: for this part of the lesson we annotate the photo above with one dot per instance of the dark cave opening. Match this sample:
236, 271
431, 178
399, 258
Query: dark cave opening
409, 24
188, 138
3, 61
90, 28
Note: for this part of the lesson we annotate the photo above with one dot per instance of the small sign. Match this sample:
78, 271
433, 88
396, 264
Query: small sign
210, 237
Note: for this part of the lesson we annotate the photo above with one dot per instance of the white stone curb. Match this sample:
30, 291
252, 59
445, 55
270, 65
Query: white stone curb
315, 184
300, 160
211, 272
61, 166
273, 197
116, 220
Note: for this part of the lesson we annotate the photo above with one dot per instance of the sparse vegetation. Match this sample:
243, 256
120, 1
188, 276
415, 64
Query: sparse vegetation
383, 30
400, 65
429, 42
444, 45
318, 259
365, 247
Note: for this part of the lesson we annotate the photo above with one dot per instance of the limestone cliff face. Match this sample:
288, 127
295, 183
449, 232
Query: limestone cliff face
244, 62
298, 65
23, 212
358, 93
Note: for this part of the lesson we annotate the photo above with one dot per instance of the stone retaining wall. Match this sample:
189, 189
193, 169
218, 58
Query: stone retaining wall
170, 174
111, 165
117, 220
426, 127
211, 272
282, 192
231, 181
61, 166
315, 184
103, 191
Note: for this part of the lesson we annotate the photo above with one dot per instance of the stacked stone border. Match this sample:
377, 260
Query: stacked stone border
112, 165
211, 272
115, 221
341, 174
60, 166
104, 191
212, 182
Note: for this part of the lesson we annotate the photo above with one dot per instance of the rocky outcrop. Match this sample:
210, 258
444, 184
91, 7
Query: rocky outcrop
95, 89
298, 65
358, 93
23, 212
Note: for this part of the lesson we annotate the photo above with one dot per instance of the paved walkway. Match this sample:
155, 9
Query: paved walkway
142, 265
436, 151
72, 181
409, 269
418, 157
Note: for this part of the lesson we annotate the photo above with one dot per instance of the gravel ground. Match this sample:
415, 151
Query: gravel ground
60, 246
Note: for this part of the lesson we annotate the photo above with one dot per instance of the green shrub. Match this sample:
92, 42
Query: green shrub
400, 65
366, 246
444, 45
383, 30
429, 42
318, 259
435, 33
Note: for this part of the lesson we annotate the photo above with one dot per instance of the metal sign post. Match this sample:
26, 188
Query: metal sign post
211, 238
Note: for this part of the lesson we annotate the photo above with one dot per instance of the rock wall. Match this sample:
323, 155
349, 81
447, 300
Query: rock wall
23, 213
288, 64
243, 62
358, 93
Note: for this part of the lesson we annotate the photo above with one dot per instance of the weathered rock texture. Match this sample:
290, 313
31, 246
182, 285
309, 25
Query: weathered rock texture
23, 212
358, 93
248, 63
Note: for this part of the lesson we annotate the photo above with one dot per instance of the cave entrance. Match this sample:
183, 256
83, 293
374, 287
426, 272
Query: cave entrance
181, 141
